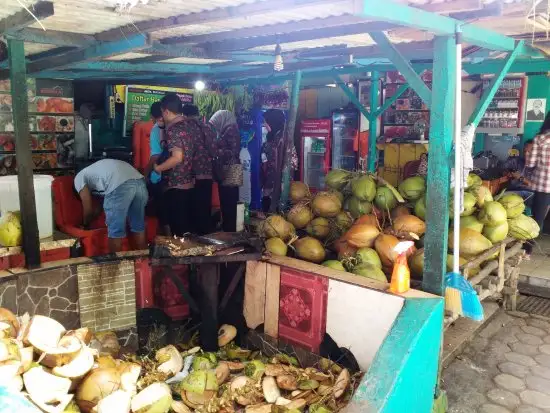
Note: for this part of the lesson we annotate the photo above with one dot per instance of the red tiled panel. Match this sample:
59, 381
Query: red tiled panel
302, 308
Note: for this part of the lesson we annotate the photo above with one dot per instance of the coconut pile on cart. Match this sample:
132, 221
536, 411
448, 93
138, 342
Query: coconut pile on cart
356, 223
45, 368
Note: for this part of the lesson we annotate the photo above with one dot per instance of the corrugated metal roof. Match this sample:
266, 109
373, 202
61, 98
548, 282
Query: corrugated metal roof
127, 56
33, 48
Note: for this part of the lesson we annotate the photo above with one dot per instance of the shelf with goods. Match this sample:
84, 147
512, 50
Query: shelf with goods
505, 112
51, 126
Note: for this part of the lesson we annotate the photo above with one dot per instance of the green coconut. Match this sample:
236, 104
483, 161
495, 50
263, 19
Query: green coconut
310, 249
482, 194
364, 188
413, 188
473, 181
334, 264
523, 228
471, 222
513, 204
420, 208
337, 179
469, 203
472, 243
338, 195
343, 221
276, 246
299, 215
326, 204
370, 271
368, 256
358, 208
319, 228
276, 226
496, 233
385, 199
492, 213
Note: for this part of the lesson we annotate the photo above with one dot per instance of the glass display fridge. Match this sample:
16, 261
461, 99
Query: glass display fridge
345, 130
315, 152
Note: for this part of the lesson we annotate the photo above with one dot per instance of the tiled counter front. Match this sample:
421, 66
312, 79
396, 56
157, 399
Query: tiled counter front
99, 296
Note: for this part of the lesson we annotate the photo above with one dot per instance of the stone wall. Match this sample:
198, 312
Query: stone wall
53, 293
107, 296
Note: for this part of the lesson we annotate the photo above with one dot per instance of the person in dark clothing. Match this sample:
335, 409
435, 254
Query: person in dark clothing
521, 175
177, 170
273, 153
228, 149
204, 140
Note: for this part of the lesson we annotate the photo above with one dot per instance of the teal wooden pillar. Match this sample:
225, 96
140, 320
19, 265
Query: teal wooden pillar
27, 203
373, 119
440, 164
289, 135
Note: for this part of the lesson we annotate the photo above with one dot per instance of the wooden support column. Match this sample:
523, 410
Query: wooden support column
439, 165
373, 119
27, 203
289, 140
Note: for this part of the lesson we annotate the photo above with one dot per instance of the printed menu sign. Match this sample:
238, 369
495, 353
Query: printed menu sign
51, 124
138, 101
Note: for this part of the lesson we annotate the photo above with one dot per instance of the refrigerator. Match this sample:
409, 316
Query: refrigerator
345, 136
315, 145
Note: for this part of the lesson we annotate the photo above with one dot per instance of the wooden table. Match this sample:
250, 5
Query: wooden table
208, 271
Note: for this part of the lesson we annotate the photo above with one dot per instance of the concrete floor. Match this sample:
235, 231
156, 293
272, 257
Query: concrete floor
539, 264
504, 369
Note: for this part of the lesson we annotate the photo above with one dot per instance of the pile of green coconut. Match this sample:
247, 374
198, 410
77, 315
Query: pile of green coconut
355, 224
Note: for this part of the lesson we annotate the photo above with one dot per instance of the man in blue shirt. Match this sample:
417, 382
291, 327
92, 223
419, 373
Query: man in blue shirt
155, 179
125, 196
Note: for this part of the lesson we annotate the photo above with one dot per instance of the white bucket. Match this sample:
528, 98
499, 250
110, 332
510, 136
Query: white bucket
9, 200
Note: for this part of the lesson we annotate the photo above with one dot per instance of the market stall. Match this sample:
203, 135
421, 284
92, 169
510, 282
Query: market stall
298, 303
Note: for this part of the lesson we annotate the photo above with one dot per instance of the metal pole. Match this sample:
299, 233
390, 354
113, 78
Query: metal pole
442, 117
373, 120
289, 136
27, 202
458, 153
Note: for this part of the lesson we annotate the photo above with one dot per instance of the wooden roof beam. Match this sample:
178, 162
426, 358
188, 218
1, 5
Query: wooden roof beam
23, 18
97, 51
54, 37
203, 17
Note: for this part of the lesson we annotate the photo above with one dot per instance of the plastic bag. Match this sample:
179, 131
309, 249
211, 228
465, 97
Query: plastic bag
15, 403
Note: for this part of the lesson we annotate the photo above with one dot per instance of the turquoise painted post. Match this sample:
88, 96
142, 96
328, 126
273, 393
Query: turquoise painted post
491, 91
352, 96
289, 136
439, 164
373, 119
27, 202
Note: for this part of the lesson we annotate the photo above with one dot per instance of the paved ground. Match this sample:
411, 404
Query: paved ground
539, 265
505, 369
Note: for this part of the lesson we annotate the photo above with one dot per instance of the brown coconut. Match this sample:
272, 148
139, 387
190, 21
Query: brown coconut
409, 223
361, 235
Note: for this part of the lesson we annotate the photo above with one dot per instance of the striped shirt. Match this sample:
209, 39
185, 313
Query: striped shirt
539, 158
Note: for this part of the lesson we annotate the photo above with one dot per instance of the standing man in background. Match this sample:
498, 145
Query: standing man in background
177, 170
204, 144
156, 146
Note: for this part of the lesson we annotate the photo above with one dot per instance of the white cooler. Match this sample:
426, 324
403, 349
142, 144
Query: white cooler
9, 200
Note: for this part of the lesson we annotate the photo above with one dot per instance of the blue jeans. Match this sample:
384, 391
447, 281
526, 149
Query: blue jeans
126, 203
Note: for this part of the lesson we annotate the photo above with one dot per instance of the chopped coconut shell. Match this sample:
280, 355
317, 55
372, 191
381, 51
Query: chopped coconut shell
156, 398
226, 334
118, 401
78, 367
174, 362
6, 316
83, 334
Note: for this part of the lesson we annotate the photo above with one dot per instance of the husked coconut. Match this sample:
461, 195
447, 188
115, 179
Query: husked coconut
118, 402
47, 391
226, 334
129, 375
78, 367
174, 362
83, 334
6, 316
99, 383
270, 389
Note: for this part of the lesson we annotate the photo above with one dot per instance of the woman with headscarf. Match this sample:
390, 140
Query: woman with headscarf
228, 149
272, 154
